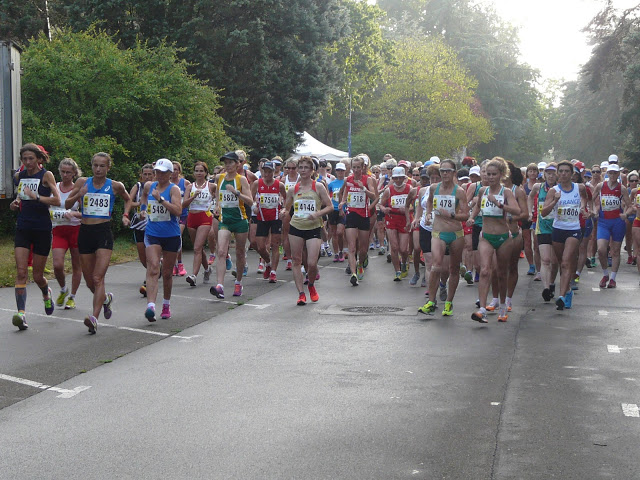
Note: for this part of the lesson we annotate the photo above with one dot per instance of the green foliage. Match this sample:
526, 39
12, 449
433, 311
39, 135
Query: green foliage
376, 143
22, 19
428, 101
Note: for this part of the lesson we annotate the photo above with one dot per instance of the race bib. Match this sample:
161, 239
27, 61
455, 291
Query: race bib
228, 199
57, 215
96, 204
335, 196
489, 208
32, 183
446, 202
638, 200
568, 213
304, 207
610, 203
269, 200
201, 199
356, 199
288, 185
156, 212
399, 201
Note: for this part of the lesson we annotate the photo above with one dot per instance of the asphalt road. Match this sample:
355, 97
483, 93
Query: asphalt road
267, 389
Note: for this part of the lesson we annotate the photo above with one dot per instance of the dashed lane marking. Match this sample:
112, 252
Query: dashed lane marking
603, 313
108, 325
64, 393
613, 349
237, 303
630, 410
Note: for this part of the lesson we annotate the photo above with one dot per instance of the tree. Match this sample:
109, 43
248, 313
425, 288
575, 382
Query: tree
21, 20
83, 94
428, 101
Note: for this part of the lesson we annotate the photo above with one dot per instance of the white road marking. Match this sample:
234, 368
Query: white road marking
603, 313
613, 349
258, 307
64, 393
495, 404
630, 410
595, 289
107, 325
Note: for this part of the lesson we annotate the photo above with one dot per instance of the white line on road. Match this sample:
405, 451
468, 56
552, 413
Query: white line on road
630, 410
64, 393
108, 325
595, 289
613, 348
603, 313
257, 307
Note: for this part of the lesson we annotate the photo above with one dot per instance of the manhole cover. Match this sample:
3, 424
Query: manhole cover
372, 310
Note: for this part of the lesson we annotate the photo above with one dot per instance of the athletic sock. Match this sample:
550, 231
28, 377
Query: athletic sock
166, 302
151, 305
613, 275
21, 297
605, 272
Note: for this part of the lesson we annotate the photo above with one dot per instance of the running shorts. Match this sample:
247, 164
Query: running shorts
94, 237
264, 227
197, 219
40, 240
65, 237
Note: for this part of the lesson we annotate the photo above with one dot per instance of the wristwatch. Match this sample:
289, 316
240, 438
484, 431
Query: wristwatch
453, 215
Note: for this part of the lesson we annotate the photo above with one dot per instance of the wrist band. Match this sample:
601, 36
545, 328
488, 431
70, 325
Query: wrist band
143, 208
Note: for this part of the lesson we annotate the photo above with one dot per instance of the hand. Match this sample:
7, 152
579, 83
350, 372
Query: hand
231, 189
83, 191
155, 194
27, 191
15, 205
470, 221
125, 221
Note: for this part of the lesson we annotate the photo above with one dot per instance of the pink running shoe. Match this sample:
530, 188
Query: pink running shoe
272, 277
267, 272
175, 270
237, 290
181, 271
166, 312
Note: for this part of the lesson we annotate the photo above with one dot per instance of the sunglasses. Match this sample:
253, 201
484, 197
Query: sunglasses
634, 180
596, 171
290, 168
446, 170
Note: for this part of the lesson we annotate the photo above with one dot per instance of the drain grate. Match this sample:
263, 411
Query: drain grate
372, 310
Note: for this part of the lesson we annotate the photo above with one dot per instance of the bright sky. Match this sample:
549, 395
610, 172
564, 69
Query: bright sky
549, 30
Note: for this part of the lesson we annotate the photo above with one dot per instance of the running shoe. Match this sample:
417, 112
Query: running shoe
261, 266
323, 252
462, 270
468, 277
365, 262
428, 308
329, 251
443, 292
546, 295
479, 316
218, 291
414, 279
347, 270
61, 297
587, 263
388, 258
341, 257
289, 264
422, 259
423, 282
272, 277
48, 303
552, 289
336, 258
448, 309
382, 251
509, 306
181, 271
575, 283
306, 279
313, 293
404, 272
302, 299
426, 294
521, 254
532, 270
267, 272
376, 243
396, 277
91, 323
212, 258
568, 299
191, 280
245, 270
502, 314
478, 303
19, 320
537, 277
635, 261
70, 305
354, 280
560, 303
372, 246
206, 275
360, 272
229, 263
630, 260
143, 289
107, 306
609, 262
593, 261
237, 290
317, 276
603, 282
175, 270
492, 307
612, 284
150, 314
166, 312
476, 279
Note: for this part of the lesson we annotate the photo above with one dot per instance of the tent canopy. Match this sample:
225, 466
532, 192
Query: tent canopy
311, 146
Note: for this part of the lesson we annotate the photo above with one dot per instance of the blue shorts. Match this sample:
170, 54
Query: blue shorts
611, 228
168, 244
559, 235
588, 228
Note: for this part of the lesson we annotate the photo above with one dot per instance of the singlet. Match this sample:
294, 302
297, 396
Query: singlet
334, 190
424, 202
182, 186
447, 202
288, 183
303, 204
478, 219
567, 210
57, 214
98, 202
610, 201
33, 215
490, 209
544, 225
231, 208
357, 199
161, 222
202, 200
138, 222
398, 198
268, 200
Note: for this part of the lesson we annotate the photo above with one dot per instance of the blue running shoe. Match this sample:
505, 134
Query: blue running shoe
229, 263
532, 270
150, 314
568, 299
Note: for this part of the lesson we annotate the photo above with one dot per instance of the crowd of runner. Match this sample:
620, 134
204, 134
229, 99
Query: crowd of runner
444, 221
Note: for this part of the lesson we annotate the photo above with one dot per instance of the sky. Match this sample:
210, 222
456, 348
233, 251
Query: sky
550, 32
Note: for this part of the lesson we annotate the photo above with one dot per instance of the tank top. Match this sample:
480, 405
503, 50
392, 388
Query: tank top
398, 198
544, 225
357, 199
138, 222
304, 204
567, 210
289, 183
57, 214
231, 208
490, 209
202, 199
424, 201
182, 186
610, 201
268, 201
334, 190
161, 222
446, 202
33, 215
98, 202
478, 219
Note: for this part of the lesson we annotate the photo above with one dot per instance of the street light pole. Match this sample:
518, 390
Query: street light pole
349, 125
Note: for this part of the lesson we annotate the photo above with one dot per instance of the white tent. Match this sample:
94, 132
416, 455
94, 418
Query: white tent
311, 146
